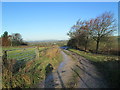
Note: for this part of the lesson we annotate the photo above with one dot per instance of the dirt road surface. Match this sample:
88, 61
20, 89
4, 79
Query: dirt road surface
59, 77
87, 77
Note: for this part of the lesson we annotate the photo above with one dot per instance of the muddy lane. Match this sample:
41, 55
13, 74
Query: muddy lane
60, 77
89, 76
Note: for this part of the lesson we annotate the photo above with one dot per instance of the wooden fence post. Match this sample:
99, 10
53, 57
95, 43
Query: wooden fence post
4, 58
37, 52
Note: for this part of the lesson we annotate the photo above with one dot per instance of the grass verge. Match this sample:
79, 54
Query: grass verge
32, 72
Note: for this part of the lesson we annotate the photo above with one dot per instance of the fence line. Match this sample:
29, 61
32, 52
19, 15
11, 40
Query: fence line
29, 56
22, 57
19, 49
22, 53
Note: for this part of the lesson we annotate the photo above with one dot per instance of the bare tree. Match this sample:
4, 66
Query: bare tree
81, 34
97, 29
102, 26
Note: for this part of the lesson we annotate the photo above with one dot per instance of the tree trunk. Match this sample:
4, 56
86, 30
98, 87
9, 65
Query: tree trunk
85, 46
86, 43
97, 45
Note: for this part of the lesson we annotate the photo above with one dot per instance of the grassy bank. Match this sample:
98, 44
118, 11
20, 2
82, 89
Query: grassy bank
32, 72
96, 57
107, 65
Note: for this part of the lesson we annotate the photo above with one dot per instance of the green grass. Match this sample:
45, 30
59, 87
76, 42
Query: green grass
33, 71
95, 57
106, 64
19, 53
10, 48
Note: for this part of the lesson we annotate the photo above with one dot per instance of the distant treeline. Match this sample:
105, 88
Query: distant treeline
48, 43
95, 35
12, 40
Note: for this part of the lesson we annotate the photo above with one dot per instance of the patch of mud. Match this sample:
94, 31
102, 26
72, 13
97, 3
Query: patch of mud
60, 77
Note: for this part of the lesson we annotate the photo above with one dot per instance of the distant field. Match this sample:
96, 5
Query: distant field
48, 43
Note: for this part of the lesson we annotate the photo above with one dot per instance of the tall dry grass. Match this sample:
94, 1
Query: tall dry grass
33, 71
52, 52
